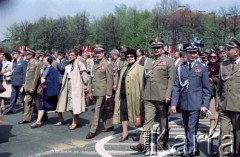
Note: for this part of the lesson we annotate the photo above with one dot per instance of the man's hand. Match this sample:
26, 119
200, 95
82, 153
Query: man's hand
204, 109
31, 91
167, 100
108, 97
173, 109
114, 87
43, 80
91, 96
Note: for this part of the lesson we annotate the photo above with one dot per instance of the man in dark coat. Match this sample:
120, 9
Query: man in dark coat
19, 69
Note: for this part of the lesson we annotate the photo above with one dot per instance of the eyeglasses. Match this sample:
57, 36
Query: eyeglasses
214, 57
130, 56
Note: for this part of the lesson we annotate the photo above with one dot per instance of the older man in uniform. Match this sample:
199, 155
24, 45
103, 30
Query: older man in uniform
101, 88
228, 96
30, 86
191, 90
159, 74
19, 69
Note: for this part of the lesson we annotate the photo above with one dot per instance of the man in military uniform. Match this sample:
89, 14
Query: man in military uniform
116, 67
101, 88
19, 69
159, 74
30, 86
228, 96
191, 90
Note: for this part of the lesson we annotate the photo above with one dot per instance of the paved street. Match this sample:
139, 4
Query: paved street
58, 141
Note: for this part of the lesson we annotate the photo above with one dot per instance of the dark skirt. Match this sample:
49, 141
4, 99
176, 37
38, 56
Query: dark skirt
123, 109
48, 104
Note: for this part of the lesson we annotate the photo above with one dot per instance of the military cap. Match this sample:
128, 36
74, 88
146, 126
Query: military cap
190, 47
30, 52
40, 52
156, 43
115, 51
16, 52
234, 43
98, 48
221, 49
62, 53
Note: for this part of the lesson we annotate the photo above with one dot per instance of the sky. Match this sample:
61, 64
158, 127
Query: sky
12, 11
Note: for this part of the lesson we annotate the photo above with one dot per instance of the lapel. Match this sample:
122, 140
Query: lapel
132, 66
97, 66
185, 68
157, 62
237, 67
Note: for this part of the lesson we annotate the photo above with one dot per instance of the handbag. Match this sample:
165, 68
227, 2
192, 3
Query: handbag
138, 121
2, 89
8, 78
40, 89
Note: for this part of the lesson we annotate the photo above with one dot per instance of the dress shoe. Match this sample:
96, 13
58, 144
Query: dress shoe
108, 129
140, 147
196, 153
36, 125
60, 123
90, 135
8, 112
73, 127
122, 139
24, 122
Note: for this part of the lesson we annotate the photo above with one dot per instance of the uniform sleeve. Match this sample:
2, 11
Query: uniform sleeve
36, 76
171, 74
206, 88
175, 90
24, 69
109, 75
219, 90
83, 72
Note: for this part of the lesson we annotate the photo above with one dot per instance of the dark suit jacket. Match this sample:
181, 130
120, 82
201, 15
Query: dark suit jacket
61, 69
19, 72
198, 93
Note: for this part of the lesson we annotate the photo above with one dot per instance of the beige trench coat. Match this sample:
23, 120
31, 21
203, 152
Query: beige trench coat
78, 80
134, 82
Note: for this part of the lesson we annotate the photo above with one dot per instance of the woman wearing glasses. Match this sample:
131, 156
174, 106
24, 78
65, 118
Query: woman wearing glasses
128, 94
213, 71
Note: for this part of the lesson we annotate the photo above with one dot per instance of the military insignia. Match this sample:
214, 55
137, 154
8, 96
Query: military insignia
163, 63
197, 70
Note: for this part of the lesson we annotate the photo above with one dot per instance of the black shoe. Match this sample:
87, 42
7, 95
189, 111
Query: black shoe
90, 135
24, 122
162, 147
122, 139
8, 112
140, 147
108, 129
196, 153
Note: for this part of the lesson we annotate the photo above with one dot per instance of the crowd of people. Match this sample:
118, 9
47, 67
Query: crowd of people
125, 84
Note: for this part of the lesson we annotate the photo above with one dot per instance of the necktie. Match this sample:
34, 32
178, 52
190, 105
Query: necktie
233, 65
189, 66
72, 67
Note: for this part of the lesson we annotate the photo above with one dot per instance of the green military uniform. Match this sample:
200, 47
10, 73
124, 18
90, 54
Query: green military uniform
228, 96
32, 79
101, 86
159, 76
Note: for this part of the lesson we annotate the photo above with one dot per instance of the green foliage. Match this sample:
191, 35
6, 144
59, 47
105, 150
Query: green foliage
127, 26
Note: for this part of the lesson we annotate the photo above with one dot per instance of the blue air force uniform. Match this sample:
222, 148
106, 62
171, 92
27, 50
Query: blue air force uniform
191, 91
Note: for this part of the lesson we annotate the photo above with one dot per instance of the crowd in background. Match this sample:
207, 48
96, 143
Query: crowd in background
119, 83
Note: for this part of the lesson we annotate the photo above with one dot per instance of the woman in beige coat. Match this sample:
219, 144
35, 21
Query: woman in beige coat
128, 94
72, 97
6, 72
